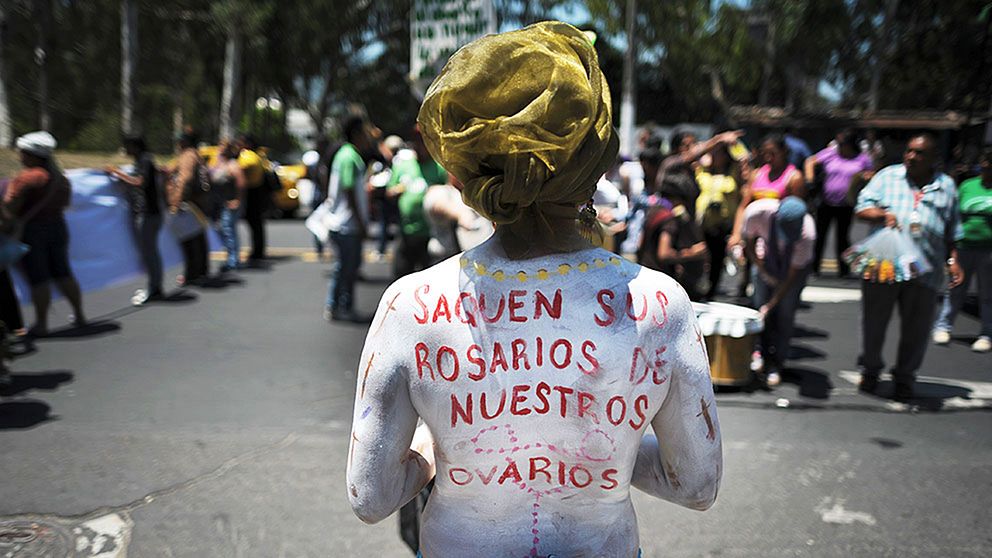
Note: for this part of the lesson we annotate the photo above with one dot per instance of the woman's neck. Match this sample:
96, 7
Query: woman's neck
568, 240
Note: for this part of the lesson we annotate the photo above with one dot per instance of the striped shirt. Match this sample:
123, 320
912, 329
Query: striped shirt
893, 191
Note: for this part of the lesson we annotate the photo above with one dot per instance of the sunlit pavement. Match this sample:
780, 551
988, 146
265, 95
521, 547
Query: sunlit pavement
217, 425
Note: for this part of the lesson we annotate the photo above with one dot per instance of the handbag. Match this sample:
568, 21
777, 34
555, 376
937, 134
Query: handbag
11, 251
187, 222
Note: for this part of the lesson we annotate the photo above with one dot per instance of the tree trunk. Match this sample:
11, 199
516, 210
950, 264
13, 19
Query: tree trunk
43, 11
129, 49
232, 71
6, 127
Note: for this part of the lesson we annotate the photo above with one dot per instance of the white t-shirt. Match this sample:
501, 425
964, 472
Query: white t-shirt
538, 379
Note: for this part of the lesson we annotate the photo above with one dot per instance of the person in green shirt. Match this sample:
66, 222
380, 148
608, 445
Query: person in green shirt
347, 220
974, 244
413, 173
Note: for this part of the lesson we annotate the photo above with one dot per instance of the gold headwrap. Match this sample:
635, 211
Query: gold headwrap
523, 120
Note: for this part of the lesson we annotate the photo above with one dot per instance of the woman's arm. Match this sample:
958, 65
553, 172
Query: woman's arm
682, 462
125, 177
809, 168
668, 254
383, 471
746, 198
796, 185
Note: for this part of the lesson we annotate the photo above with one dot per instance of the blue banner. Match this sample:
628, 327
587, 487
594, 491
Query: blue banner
102, 247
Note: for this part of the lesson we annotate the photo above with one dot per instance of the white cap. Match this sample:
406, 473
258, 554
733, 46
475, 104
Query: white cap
311, 158
40, 144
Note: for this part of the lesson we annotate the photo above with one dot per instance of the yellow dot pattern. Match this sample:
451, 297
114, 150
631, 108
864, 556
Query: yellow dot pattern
499, 276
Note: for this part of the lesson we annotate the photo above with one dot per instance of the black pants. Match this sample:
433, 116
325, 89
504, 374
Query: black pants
825, 215
716, 244
195, 255
411, 255
256, 203
10, 309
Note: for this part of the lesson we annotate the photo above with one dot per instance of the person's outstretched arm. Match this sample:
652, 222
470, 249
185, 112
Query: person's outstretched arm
682, 462
383, 472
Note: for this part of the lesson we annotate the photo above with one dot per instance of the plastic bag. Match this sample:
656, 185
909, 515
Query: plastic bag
887, 256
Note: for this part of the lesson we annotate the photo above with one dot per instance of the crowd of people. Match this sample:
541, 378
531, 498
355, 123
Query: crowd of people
713, 205
707, 208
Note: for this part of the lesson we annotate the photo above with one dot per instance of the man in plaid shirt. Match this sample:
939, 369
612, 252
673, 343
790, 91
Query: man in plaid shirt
912, 196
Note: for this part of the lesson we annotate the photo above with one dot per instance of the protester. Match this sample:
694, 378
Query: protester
683, 149
779, 239
917, 198
349, 217
648, 198
841, 165
673, 242
36, 199
775, 179
189, 191
318, 170
258, 196
410, 179
145, 198
974, 247
229, 185
798, 149
541, 264
448, 216
719, 181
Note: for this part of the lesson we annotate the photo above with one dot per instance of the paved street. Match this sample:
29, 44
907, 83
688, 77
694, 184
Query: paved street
217, 425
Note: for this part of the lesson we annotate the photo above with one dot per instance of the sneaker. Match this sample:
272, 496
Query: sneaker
982, 345
773, 379
941, 337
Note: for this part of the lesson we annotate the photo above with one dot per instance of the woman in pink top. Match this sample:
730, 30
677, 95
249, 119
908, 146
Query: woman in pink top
841, 164
776, 179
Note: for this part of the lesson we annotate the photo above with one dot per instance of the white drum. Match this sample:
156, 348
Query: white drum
729, 332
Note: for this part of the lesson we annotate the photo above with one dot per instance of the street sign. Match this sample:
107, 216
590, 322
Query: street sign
440, 27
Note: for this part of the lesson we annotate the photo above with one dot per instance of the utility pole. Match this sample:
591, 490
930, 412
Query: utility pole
881, 49
129, 48
232, 77
628, 106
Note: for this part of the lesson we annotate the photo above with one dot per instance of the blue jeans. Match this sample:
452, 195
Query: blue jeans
781, 321
341, 290
974, 262
227, 226
146, 227
639, 554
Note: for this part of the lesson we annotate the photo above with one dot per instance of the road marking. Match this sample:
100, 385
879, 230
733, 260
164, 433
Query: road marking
830, 294
979, 394
838, 515
104, 537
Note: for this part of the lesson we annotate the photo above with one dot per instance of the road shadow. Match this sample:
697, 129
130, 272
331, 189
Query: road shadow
22, 414
804, 352
181, 296
812, 382
219, 282
927, 395
95, 328
804, 332
26, 381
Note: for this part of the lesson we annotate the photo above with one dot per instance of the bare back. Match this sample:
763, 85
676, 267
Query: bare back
538, 379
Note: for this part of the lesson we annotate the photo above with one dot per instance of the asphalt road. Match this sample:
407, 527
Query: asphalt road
217, 425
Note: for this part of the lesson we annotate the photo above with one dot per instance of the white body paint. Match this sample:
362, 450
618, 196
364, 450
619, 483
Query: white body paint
548, 471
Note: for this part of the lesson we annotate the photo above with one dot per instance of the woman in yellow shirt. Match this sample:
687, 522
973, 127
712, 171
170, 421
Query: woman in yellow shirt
719, 182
